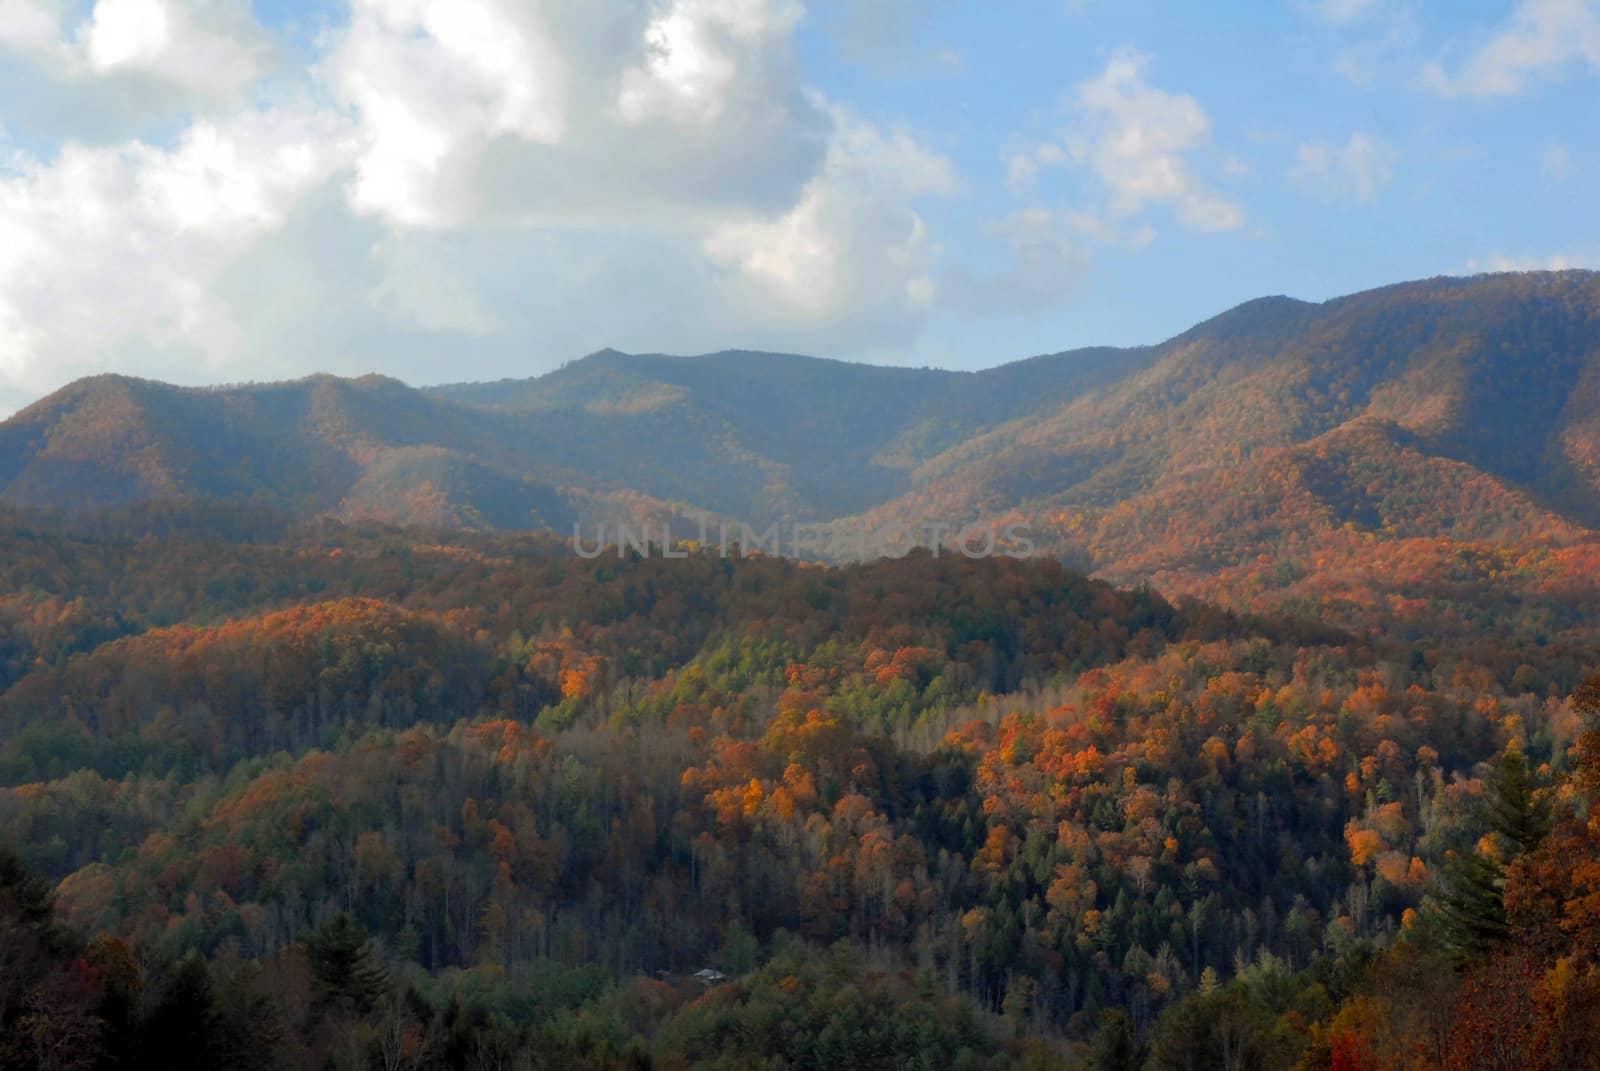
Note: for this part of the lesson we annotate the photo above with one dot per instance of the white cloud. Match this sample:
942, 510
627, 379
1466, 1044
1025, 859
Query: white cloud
1137, 139
693, 55
1048, 262
416, 288
517, 175
434, 81
1379, 45
122, 33
887, 36
32, 26
1134, 142
1235, 167
203, 48
1541, 39
561, 113
852, 248
1354, 171
1023, 167
1496, 262
1108, 231
107, 248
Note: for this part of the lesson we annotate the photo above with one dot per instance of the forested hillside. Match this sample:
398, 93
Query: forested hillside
1495, 375
319, 749
289, 794
1427, 453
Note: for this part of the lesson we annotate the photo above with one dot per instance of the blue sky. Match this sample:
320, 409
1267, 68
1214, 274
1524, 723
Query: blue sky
205, 190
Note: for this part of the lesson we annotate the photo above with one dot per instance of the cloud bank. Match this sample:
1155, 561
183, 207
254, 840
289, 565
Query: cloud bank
446, 168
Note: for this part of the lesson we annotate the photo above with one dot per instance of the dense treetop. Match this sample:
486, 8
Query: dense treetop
356, 790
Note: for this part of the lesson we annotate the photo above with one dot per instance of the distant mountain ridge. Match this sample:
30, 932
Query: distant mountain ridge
1442, 409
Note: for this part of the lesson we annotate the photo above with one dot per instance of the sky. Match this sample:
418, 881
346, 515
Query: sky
208, 191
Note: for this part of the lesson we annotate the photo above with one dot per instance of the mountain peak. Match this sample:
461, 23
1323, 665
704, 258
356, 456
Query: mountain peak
1496, 372
1264, 314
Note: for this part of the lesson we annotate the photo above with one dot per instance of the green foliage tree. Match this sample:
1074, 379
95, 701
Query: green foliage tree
1515, 807
1116, 1044
183, 1030
1468, 908
348, 974
1220, 1031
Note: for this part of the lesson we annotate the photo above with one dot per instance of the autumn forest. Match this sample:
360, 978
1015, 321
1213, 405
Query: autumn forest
322, 749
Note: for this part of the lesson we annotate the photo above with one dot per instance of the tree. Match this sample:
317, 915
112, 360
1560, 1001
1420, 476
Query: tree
1496, 1015
347, 972
1515, 809
36, 994
1116, 1044
182, 1030
1469, 904
61, 1030
1587, 775
1569, 1009
1224, 1030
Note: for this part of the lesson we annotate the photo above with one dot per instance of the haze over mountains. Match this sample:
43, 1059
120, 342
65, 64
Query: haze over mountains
1447, 409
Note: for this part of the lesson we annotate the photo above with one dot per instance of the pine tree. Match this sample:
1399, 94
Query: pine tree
181, 1031
1514, 809
25, 895
349, 975
1468, 909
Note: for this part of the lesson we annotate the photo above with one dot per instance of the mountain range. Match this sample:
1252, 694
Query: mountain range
1281, 432
1306, 777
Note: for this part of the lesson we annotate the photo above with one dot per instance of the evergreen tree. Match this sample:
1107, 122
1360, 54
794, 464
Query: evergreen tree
1116, 1044
31, 947
1466, 913
1467, 909
181, 1031
1514, 808
348, 973
25, 897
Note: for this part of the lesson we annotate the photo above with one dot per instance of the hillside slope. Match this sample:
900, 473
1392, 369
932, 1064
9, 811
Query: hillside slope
1465, 409
1500, 372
